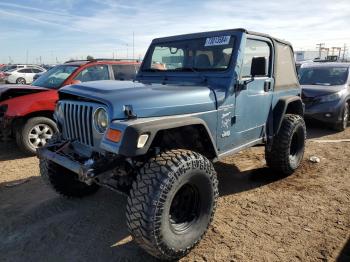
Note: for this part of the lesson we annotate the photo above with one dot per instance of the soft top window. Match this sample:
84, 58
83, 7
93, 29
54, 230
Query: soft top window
285, 71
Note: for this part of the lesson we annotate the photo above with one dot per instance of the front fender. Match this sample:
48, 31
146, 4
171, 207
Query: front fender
132, 129
27, 104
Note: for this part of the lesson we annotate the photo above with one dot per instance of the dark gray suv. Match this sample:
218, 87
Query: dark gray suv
326, 92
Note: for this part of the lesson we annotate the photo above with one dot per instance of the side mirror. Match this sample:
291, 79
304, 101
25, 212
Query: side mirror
75, 82
258, 67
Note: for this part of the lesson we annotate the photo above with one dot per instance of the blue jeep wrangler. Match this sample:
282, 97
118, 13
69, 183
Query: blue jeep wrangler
196, 99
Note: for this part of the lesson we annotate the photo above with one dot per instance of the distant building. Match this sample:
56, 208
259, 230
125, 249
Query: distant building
309, 55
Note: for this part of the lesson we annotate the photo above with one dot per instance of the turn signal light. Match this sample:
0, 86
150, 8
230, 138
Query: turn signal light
114, 135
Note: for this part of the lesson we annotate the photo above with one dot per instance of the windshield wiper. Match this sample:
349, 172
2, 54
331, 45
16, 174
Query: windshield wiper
186, 69
191, 69
321, 84
153, 70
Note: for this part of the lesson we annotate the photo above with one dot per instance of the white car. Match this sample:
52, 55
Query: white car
22, 75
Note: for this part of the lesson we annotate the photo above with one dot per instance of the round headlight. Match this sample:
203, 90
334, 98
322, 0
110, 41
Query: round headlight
101, 120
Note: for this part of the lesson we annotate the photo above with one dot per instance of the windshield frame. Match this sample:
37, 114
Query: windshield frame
188, 70
49, 72
346, 80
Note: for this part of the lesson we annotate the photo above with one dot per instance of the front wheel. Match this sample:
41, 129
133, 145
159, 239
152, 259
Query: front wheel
35, 133
345, 119
287, 150
172, 203
64, 181
21, 81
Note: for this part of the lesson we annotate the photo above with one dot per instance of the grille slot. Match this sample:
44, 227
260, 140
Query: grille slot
77, 122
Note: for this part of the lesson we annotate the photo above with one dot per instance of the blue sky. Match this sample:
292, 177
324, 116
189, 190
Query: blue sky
75, 28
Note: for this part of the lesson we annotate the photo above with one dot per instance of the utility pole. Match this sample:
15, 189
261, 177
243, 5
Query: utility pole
344, 51
133, 46
320, 46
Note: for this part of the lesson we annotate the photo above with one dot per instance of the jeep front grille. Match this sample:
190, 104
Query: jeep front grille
77, 123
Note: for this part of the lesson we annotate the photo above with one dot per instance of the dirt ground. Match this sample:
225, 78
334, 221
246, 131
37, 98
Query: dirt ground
260, 216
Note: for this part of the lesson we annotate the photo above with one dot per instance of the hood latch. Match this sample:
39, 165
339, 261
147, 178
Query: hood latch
129, 112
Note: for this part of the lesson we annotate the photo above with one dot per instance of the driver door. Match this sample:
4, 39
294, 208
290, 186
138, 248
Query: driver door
253, 102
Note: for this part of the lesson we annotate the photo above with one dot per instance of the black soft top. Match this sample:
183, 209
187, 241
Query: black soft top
202, 34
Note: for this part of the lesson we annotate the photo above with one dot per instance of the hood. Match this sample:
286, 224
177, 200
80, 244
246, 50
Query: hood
320, 90
12, 91
147, 100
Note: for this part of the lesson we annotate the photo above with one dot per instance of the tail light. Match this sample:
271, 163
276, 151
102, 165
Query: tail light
7, 74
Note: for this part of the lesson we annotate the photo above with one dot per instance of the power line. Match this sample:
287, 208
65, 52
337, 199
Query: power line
320, 46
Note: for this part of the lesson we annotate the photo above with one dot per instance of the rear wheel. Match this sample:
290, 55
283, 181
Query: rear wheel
35, 133
287, 150
21, 81
172, 203
345, 119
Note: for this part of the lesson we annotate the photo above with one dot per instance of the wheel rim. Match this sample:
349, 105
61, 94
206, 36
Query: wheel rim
39, 135
297, 145
21, 81
346, 116
184, 209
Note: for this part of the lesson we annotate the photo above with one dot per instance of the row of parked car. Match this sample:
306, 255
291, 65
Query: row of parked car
325, 93
20, 74
26, 111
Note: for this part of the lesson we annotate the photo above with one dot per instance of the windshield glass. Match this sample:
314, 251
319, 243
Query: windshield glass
201, 54
55, 77
323, 76
6, 68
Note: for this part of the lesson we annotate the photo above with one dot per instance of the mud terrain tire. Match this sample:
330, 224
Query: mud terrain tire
63, 181
288, 146
172, 203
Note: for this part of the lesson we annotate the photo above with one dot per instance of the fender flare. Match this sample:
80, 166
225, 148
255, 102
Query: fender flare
281, 108
132, 129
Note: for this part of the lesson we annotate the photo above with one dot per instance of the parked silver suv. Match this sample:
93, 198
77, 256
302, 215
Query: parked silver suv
326, 92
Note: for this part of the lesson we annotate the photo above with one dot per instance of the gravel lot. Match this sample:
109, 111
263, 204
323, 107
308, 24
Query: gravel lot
260, 216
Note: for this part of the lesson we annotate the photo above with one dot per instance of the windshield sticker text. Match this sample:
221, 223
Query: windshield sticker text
217, 40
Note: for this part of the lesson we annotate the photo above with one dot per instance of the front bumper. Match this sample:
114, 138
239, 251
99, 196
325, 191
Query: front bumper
53, 153
329, 112
65, 154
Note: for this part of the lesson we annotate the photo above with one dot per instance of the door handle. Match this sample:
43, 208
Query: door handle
267, 86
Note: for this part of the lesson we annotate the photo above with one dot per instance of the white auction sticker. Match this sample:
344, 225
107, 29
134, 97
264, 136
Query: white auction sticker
217, 40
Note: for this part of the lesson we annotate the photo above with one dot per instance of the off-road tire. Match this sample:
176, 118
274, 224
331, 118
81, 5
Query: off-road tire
22, 134
20, 81
63, 181
287, 150
154, 204
345, 119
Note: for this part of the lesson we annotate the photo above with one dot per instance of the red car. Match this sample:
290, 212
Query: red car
26, 111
